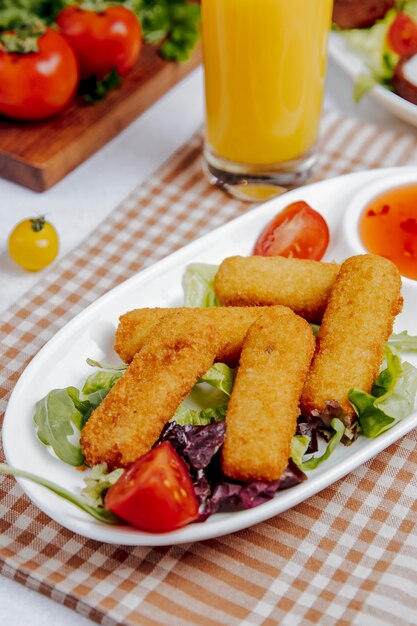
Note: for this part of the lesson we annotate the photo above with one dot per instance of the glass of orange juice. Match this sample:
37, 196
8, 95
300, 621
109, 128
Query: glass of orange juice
264, 65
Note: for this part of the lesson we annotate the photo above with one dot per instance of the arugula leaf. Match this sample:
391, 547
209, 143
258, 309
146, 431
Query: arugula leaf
103, 515
299, 445
55, 416
391, 399
198, 285
61, 409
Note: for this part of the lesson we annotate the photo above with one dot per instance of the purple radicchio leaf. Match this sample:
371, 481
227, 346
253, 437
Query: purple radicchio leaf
231, 496
197, 445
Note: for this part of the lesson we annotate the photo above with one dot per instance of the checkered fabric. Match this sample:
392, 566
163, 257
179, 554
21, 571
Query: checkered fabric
346, 556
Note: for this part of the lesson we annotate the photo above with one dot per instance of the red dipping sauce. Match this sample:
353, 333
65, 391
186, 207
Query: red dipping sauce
388, 227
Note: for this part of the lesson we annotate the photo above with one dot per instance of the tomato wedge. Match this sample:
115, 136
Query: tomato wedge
155, 493
298, 231
402, 35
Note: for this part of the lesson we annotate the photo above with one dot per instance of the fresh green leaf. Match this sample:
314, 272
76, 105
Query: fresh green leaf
332, 444
391, 399
103, 515
97, 484
373, 421
403, 341
221, 377
55, 416
95, 91
363, 83
409, 7
99, 381
199, 417
173, 23
371, 45
315, 328
299, 445
198, 285
105, 366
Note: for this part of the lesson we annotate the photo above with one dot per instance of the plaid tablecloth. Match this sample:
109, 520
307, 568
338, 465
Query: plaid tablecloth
346, 556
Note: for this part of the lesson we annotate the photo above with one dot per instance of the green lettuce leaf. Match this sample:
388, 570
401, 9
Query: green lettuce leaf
409, 7
363, 83
371, 45
403, 341
99, 381
391, 399
103, 515
198, 285
199, 417
221, 377
299, 445
97, 484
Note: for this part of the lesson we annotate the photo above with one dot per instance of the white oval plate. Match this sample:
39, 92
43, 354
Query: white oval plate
353, 65
62, 362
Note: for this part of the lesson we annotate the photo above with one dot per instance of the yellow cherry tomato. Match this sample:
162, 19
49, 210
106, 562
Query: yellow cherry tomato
33, 244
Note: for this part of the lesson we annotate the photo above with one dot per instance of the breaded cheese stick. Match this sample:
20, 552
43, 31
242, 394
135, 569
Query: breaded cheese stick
130, 418
302, 285
231, 325
262, 414
357, 323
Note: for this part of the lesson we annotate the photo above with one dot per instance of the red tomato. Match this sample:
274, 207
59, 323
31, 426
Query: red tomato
298, 231
155, 493
102, 40
39, 84
402, 35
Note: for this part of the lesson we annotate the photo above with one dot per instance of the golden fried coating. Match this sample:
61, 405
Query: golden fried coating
357, 323
302, 285
262, 414
231, 325
131, 417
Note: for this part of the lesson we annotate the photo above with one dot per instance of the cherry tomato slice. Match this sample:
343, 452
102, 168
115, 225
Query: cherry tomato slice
402, 35
298, 231
155, 493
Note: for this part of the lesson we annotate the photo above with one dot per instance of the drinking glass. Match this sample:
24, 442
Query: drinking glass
264, 65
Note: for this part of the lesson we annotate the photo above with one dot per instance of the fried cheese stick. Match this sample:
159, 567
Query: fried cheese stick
302, 285
130, 418
262, 414
357, 323
231, 325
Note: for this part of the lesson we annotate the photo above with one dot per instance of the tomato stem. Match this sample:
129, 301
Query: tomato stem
38, 223
24, 38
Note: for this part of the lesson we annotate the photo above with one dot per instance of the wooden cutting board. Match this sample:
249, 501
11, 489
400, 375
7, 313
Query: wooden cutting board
38, 155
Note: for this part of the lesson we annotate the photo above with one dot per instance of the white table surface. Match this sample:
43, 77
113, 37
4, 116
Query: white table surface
82, 200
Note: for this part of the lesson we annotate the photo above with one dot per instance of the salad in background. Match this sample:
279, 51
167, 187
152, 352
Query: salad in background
384, 35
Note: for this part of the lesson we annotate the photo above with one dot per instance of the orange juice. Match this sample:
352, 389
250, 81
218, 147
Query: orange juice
264, 63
